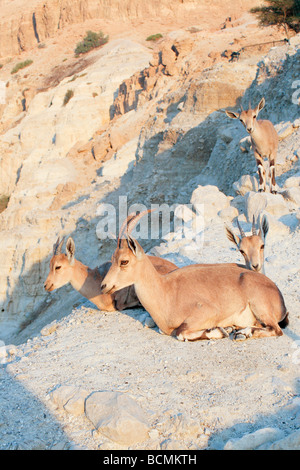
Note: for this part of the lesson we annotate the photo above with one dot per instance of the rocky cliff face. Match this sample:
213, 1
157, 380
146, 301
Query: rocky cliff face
138, 119
24, 25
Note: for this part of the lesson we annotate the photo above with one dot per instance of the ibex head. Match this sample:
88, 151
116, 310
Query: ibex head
60, 265
125, 262
248, 118
252, 246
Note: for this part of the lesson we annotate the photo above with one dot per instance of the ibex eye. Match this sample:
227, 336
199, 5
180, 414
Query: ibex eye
242, 252
57, 267
262, 247
254, 117
124, 262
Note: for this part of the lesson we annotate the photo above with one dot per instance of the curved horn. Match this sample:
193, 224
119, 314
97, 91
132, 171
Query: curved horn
131, 222
124, 225
240, 229
58, 246
253, 226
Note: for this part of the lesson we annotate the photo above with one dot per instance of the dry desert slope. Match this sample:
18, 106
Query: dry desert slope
146, 122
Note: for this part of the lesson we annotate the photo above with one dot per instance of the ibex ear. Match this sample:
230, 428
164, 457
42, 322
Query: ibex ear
136, 249
232, 237
260, 105
264, 226
232, 115
70, 249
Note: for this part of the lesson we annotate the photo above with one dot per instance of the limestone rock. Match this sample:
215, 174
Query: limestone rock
245, 184
284, 130
210, 200
291, 442
292, 194
245, 144
117, 416
69, 398
229, 212
293, 181
256, 203
121, 162
277, 228
254, 440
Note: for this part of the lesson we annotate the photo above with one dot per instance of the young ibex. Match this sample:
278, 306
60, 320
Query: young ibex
64, 269
198, 301
264, 140
251, 246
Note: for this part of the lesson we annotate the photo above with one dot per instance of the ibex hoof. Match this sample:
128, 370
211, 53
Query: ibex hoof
243, 334
229, 330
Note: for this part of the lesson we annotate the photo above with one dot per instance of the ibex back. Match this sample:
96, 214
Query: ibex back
198, 301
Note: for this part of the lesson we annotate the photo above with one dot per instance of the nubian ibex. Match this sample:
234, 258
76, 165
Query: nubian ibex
264, 140
198, 301
64, 269
251, 246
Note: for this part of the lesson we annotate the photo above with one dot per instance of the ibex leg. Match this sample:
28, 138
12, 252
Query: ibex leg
272, 177
261, 172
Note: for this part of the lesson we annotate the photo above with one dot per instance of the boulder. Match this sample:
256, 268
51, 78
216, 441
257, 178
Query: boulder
292, 194
276, 227
254, 440
117, 416
70, 398
256, 203
245, 144
229, 212
293, 181
208, 200
245, 184
291, 442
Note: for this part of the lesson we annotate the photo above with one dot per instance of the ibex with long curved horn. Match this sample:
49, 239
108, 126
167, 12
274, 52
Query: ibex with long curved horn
64, 269
251, 246
198, 301
264, 140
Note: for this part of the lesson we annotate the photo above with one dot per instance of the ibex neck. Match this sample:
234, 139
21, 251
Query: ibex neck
256, 135
88, 282
151, 291
80, 276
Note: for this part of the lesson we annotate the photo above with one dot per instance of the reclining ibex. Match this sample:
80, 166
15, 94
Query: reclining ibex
198, 301
264, 140
64, 269
251, 246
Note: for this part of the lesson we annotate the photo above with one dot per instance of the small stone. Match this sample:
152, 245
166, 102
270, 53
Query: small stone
149, 322
49, 329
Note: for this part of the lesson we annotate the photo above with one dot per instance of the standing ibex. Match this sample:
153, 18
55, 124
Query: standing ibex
64, 269
264, 140
252, 246
198, 301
